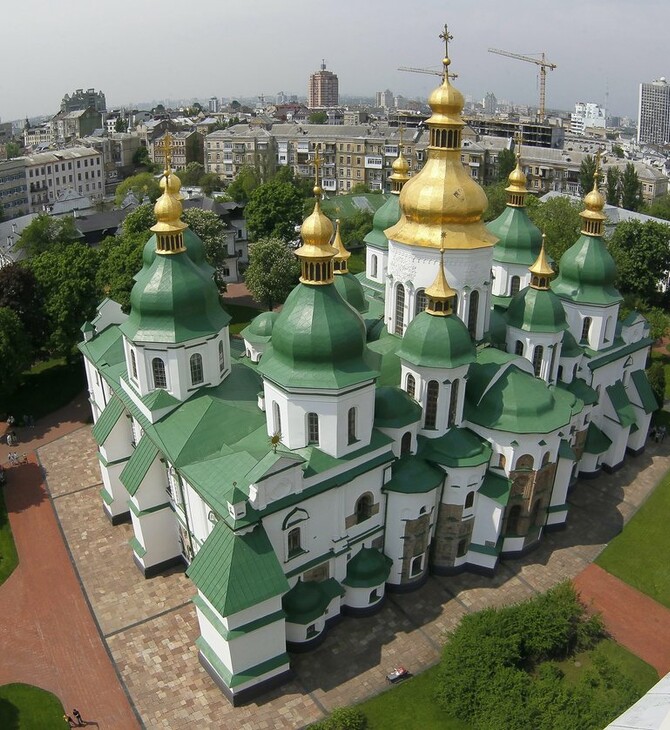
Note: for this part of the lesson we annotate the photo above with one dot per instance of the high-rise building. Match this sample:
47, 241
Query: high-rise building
384, 99
653, 121
214, 105
587, 114
323, 90
81, 100
490, 103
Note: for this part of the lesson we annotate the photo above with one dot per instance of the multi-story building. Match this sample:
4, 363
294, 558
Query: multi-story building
214, 104
587, 114
186, 147
490, 103
536, 134
13, 188
67, 126
323, 89
384, 99
37, 136
81, 99
50, 174
653, 124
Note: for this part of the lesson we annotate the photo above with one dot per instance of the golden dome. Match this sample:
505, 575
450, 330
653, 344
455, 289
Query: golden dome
342, 255
594, 201
439, 294
400, 167
541, 270
446, 102
168, 210
517, 180
170, 183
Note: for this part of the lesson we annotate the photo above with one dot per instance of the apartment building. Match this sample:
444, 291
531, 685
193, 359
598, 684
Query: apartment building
186, 147
13, 187
50, 174
323, 89
654, 113
534, 134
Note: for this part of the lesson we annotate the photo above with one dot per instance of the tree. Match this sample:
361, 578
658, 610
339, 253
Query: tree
318, 118
12, 149
44, 232
354, 228
210, 182
212, 231
141, 185
656, 375
15, 352
360, 189
660, 208
139, 220
119, 259
191, 174
631, 189
497, 198
66, 277
586, 172
559, 218
617, 151
506, 163
613, 186
272, 273
274, 210
121, 125
141, 159
642, 255
304, 185
244, 184
20, 293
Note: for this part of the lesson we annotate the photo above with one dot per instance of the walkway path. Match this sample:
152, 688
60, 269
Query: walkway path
48, 635
634, 620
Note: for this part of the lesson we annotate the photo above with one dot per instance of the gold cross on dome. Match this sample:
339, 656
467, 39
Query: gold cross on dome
596, 171
166, 148
317, 165
446, 36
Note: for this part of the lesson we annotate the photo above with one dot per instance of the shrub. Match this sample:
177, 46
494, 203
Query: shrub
343, 718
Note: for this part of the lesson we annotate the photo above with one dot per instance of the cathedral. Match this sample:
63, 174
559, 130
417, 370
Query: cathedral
427, 416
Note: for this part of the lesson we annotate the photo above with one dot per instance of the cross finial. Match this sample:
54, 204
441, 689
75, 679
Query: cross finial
317, 166
166, 148
443, 235
446, 36
596, 171
519, 141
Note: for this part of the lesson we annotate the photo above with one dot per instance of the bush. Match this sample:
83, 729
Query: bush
343, 718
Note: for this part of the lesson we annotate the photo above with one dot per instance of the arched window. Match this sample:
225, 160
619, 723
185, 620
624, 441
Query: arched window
158, 370
431, 404
406, 443
195, 362
586, 326
399, 309
453, 403
133, 364
373, 266
608, 329
364, 508
416, 565
276, 417
545, 458
469, 500
374, 596
411, 385
351, 425
513, 520
518, 348
515, 285
312, 428
222, 357
294, 546
538, 353
421, 301
501, 461
473, 311
462, 548
525, 461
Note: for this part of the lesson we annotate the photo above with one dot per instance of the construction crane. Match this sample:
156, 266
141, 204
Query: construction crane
420, 70
541, 62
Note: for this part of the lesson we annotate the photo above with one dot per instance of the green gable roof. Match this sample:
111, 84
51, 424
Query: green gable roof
643, 388
351, 290
579, 388
158, 399
105, 348
235, 572
412, 475
622, 406
138, 465
596, 441
496, 487
107, 420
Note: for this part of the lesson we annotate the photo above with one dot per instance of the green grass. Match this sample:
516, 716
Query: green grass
8, 556
356, 263
46, 387
409, 705
24, 707
241, 316
639, 555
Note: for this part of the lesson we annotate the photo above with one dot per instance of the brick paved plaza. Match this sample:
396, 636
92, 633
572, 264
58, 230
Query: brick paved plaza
150, 626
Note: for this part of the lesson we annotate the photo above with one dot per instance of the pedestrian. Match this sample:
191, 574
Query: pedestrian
662, 429
77, 717
68, 720
10, 421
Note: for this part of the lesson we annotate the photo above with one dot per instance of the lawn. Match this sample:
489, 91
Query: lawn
241, 316
639, 555
24, 707
356, 263
8, 556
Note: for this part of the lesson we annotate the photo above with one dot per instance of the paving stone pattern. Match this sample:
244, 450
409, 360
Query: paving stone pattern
150, 627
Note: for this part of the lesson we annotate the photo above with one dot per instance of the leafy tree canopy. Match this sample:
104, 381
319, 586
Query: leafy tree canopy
631, 189
141, 185
209, 182
120, 125
273, 211
506, 163
497, 198
20, 293
559, 219
613, 186
15, 352
191, 174
141, 159
139, 220
318, 118
212, 231
120, 258
660, 208
354, 228
586, 172
244, 184
44, 232
12, 149
272, 273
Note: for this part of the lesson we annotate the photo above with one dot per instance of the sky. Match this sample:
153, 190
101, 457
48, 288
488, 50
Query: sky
142, 50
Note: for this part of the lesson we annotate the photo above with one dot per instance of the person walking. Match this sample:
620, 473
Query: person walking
77, 717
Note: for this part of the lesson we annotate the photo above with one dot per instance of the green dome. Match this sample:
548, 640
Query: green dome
497, 328
368, 568
351, 290
536, 310
170, 303
458, 447
437, 342
195, 249
520, 240
318, 341
394, 408
587, 273
385, 217
570, 347
260, 329
304, 602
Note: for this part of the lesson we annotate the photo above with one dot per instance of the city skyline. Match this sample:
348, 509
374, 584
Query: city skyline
602, 50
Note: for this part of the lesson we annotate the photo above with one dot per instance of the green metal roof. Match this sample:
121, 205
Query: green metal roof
579, 388
536, 310
158, 399
596, 441
368, 568
394, 408
570, 348
565, 451
382, 356
496, 487
308, 600
616, 352
260, 329
497, 328
434, 341
643, 388
351, 290
458, 447
520, 239
412, 475
107, 420
318, 335
385, 217
105, 348
235, 572
138, 465
622, 406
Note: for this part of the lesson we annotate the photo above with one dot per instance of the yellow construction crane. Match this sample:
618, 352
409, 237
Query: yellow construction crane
541, 62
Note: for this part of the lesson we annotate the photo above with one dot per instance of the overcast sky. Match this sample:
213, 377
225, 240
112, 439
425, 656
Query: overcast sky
137, 50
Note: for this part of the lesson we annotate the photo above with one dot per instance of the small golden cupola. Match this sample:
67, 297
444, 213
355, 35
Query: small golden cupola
400, 167
594, 203
342, 256
517, 190
541, 271
442, 196
169, 227
439, 294
316, 254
